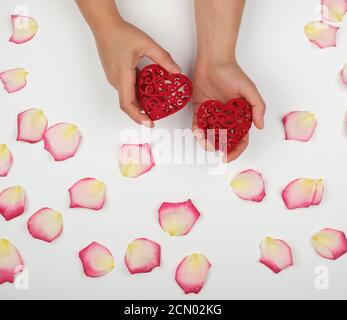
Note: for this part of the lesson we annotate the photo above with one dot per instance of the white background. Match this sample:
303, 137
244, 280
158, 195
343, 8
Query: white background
67, 82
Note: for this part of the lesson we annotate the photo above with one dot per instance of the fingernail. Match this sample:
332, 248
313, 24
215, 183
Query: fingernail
148, 124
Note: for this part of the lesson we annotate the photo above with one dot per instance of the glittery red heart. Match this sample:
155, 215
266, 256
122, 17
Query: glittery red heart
161, 93
225, 124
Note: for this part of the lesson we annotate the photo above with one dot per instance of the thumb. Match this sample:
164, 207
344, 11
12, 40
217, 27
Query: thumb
163, 58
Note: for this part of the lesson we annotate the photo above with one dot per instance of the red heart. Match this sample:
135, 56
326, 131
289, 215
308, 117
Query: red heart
235, 117
161, 93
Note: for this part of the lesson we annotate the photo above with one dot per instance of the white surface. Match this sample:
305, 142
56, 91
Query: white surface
67, 82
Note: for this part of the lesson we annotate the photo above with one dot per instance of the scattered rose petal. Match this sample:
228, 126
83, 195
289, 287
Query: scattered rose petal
32, 125
177, 219
142, 256
14, 79
24, 29
135, 159
275, 254
334, 10
319, 192
192, 272
11, 262
249, 185
303, 193
299, 125
344, 74
88, 193
330, 243
6, 160
46, 224
12, 202
321, 34
96, 260
62, 141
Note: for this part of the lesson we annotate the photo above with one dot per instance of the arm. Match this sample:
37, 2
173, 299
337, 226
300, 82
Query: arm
217, 74
121, 46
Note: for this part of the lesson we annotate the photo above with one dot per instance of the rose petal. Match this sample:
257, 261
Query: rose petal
24, 29
46, 224
88, 193
135, 159
249, 185
62, 141
12, 202
319, 192
14, 79
302, 193
330, 243
192, 272
344, 74
142, 256
334, 10
299, 125
6, 160
32, 125
96, 260
275, 254
11, 262
321, 34
177, 219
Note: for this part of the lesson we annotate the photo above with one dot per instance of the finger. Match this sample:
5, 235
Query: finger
128, 101
253, 96
163, 58
194, 119
240, 148
201, 139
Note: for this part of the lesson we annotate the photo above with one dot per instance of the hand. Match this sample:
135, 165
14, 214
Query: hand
121, 46
223, 82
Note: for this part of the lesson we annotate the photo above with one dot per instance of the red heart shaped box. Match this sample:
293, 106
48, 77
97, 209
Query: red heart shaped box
161, 93
225, 124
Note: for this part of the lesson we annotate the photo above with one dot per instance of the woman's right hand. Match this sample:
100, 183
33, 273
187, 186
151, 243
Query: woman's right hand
121, 45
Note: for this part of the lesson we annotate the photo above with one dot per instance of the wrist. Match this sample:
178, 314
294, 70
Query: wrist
204, 64
106, 24
215, 50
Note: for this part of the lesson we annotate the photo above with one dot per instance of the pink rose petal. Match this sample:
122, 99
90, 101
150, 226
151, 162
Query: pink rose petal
249, 185
333, 10
275, 254
32, 125
299, 125
11, 262
97, 260
12, 202
88, 193
46, 224
62, 141
192, 272
330, 243
142, 256
319, 192
24, 29
344, 74
14, 79
177, 219
321, 34
135, 159
303, 193
6, 160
